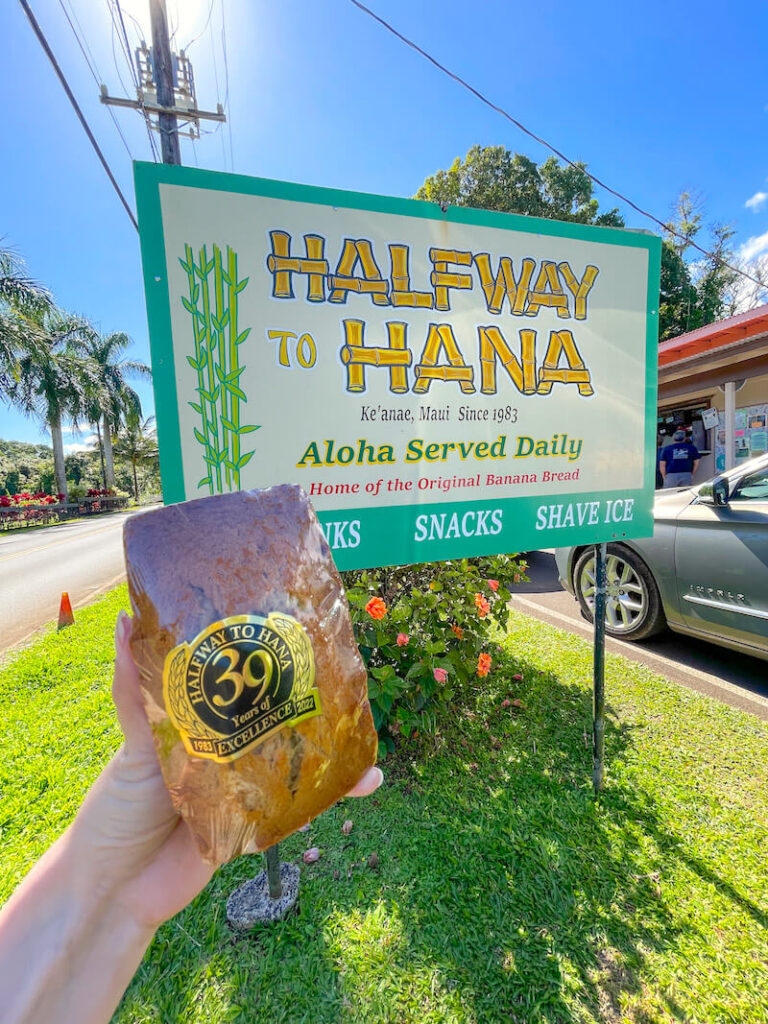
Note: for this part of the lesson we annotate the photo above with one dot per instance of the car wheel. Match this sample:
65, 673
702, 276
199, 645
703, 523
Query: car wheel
633, 605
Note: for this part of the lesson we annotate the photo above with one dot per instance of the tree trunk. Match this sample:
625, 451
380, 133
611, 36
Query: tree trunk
101, 455
135, 481
58, 457
108, 455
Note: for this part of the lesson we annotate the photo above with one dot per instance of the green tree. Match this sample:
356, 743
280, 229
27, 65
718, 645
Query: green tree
54, 381
113, 401
695, 289
492, 178
715, 281
677, 294
19, 295
137, 444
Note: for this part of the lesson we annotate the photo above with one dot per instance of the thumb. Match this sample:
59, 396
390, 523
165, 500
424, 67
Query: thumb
126, 690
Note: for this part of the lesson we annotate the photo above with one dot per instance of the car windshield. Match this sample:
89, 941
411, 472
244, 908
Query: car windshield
738, 471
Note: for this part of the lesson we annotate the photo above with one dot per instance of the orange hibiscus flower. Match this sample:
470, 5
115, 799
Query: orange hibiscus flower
376, 608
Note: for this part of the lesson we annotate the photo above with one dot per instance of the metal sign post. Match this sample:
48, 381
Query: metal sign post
598, 682
273, 872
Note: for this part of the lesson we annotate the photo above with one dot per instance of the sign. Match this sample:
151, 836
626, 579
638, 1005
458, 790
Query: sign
442, 383
750, 434
709, 418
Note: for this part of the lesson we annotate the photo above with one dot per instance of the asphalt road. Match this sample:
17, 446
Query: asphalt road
83, 558
736, 679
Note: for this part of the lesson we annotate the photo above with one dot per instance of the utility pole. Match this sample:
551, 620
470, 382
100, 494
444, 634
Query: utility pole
163, 68
165, 89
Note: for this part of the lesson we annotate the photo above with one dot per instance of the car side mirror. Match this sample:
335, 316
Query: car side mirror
715, 492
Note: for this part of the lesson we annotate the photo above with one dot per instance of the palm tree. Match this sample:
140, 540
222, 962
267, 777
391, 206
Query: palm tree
19, 295
114, 401
54, 382
137, 444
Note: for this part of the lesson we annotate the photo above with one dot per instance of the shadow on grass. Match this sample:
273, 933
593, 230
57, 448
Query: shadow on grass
504, 893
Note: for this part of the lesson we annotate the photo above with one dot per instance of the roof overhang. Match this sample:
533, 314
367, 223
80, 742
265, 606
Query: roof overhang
710, 339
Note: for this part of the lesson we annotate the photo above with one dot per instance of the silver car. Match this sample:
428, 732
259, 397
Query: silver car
704, 572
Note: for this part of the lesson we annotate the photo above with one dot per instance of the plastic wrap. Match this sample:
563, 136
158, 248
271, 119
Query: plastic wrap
252, 682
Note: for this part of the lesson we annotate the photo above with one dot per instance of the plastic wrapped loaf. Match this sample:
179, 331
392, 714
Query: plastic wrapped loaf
253, 684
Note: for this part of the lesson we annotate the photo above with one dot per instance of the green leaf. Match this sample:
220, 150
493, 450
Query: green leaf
243, 283
188, 306
248, 429
184, 265
205, 481
200, 436
229, 424
242, 336
244, 459
383, 673
195, 365
196, 407
386, 701
233, 389
195, 292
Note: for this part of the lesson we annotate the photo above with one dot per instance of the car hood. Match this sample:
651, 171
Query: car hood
669, 503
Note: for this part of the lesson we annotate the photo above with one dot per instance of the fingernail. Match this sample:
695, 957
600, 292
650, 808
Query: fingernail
122, 628
379, 775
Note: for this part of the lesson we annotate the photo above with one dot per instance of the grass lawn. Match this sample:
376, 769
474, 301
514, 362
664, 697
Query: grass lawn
502, 892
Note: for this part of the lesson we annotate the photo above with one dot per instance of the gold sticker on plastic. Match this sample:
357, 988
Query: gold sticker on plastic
238, 682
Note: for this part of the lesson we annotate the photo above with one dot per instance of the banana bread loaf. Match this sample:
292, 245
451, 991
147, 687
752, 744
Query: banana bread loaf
252, 682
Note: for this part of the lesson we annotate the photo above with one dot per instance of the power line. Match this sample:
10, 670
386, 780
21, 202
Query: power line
81, 117
226, 85
205, 26
125, 45
93, 69
547, 145
218, 93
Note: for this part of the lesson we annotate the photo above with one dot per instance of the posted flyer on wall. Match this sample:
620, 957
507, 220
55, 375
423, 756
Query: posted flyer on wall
443, 383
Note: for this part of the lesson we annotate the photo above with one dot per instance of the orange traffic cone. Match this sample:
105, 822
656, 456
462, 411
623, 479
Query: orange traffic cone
66, 618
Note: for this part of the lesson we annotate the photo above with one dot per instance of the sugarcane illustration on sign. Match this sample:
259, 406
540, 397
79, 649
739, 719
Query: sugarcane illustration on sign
213, 306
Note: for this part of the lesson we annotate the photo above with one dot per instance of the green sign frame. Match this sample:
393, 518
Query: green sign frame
389, 531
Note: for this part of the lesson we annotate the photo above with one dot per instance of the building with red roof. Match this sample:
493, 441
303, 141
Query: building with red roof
721, 367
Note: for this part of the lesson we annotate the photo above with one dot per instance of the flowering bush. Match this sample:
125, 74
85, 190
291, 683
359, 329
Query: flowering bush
25, 498
424, 632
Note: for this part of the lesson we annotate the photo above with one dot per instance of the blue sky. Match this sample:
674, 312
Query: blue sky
656, 98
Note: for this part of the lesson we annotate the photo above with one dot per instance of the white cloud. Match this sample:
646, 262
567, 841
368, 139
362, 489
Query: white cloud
86, 445
757, 201
754, 246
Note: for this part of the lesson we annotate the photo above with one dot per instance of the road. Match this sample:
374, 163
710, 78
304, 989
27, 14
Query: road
83, 558
736, 679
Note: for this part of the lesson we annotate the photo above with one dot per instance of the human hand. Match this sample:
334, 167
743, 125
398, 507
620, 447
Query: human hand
147, 860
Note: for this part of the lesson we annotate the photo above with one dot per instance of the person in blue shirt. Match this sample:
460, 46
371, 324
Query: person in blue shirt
679, 461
